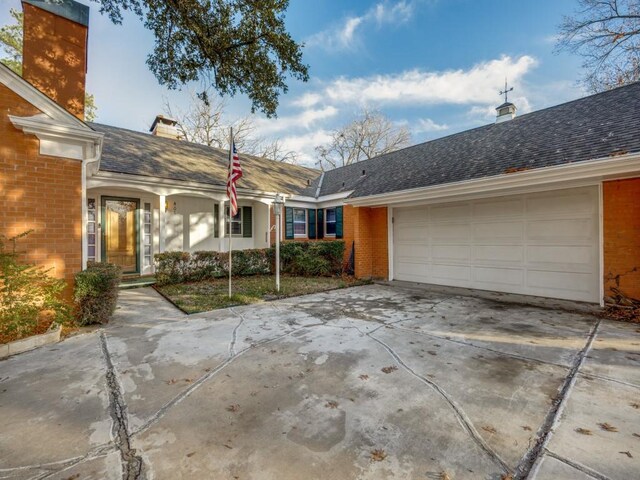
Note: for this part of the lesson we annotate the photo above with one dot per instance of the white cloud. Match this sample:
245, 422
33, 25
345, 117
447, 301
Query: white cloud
476, 85
426, 125
307, 100
344, 36
305, 119
305, 145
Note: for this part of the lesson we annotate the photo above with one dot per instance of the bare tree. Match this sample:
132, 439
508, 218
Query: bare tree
606, 34
369, 135
204, 122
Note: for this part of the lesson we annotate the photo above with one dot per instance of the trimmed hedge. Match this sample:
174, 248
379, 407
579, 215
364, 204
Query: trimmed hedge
96, 293
177, 267
322, 258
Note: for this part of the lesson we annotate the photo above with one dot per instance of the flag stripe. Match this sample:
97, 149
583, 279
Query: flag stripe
235, 174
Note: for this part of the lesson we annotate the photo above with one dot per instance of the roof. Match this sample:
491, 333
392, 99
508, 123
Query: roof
597, 126
137, 153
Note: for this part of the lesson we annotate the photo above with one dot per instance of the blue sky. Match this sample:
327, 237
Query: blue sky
433, 65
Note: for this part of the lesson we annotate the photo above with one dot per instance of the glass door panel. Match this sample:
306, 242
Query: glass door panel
120, 232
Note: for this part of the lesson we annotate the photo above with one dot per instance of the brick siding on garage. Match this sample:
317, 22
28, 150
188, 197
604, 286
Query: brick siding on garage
367, 228
621, 217
39, 192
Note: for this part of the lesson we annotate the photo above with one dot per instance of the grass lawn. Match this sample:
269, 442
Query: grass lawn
211, 294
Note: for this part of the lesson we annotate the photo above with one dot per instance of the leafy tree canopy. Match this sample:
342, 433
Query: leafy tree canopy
232, 45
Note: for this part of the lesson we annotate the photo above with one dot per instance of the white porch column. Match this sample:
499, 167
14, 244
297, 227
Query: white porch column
162, 230
221, 226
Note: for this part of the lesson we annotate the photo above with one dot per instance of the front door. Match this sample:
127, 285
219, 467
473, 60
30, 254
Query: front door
120, 232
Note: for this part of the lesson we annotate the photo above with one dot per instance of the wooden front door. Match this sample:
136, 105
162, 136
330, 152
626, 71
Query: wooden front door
120, 233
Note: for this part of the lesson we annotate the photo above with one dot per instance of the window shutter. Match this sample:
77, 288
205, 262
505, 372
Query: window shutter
216, 221
339, 230
288, 222
311, 220
247, 222
320, 223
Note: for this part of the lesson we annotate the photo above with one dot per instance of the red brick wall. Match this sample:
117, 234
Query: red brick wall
621, 217
367, 227
55, 57
40, 193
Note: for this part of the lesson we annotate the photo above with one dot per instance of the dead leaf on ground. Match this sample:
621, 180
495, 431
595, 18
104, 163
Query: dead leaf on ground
191, 454
389, 369
331, 404
507, 476
444, 476
635, 405
584, 431
172, 381
364, 376
378, 455
527, 428
431, 352
228, 446
627, 453
636, 435
489, 428
233, 408
607, 427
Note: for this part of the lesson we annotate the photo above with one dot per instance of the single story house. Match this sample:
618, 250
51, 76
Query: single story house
546, 203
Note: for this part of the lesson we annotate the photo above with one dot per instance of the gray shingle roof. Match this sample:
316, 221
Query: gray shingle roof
592, 127
137, 153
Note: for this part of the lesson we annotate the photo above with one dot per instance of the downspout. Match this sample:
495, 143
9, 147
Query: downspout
83, 224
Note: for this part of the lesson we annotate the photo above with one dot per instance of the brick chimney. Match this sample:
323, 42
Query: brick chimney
54, 57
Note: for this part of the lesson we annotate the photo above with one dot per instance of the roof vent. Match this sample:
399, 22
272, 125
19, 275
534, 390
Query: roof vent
165, 127
308, 182
363, 172
506, 111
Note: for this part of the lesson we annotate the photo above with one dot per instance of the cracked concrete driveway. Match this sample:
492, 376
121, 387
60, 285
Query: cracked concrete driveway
369, 382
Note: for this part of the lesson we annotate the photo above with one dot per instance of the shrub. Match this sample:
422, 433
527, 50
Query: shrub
172, 267
96, 293
28, 295
321, 258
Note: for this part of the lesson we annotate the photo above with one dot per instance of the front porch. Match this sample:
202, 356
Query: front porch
127, 226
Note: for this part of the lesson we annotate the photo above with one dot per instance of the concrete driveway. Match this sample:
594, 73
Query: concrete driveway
370, 382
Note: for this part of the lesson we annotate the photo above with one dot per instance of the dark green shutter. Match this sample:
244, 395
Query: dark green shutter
320, 223
311, 219
339, 232
247, 222
288, 222
216, 220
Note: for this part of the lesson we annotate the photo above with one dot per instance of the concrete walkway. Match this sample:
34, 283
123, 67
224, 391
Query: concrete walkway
371, 382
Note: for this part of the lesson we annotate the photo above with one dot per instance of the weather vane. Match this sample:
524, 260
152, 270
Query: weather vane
505, 91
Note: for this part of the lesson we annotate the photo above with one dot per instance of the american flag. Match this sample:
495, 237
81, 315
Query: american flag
235, 174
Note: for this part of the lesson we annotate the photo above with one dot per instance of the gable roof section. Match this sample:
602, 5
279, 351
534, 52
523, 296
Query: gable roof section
598, 126
137, 153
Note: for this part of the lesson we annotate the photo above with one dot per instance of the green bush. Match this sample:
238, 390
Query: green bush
27, 294
96, 293
322, 258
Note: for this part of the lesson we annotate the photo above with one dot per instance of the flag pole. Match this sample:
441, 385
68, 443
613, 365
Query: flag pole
230, 224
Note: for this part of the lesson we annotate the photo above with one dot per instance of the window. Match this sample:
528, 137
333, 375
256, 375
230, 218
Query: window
91, 229
236, 223
299, 222
330, 222
147, 234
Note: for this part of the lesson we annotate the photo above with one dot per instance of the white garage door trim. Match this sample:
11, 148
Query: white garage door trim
544, 243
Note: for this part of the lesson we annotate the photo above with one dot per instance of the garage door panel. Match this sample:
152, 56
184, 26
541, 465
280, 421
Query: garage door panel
571, 204
538, 244
449, 212
497, 233
511, 279
579, 231
509, 207
451, 253
501, 255
566, 257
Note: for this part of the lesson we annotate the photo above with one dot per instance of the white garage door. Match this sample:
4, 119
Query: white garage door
542, 244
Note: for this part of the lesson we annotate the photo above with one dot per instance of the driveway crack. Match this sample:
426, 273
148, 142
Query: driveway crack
132, 464
459, 413
234, 336
577, 466
535, 453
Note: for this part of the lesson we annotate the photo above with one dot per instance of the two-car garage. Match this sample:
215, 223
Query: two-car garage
544, 244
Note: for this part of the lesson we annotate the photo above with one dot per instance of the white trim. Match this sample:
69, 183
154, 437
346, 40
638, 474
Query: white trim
306, 223
601, 240
35, 97
564, 176
390, 241
325, 198
324, 220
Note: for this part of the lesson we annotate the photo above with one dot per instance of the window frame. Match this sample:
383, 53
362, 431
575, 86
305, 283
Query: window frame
306, 220
335, 222
227, 222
